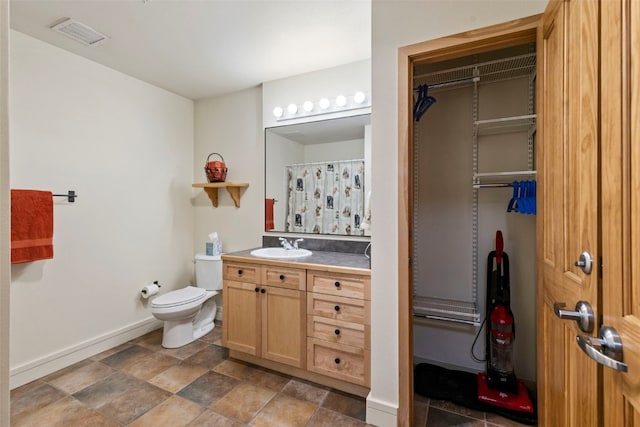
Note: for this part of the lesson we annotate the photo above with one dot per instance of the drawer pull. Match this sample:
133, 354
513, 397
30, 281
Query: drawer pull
262, 291
337, 308
337, 284
239, 272
337, 331
282, 277
337, 360
257, 289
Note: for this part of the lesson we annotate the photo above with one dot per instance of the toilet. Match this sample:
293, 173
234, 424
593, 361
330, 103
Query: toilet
188, 313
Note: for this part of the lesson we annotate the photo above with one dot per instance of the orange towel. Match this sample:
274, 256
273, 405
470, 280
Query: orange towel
268, 214
31, 225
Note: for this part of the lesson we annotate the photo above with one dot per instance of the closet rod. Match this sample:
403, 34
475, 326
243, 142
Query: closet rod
451, 83
494, 185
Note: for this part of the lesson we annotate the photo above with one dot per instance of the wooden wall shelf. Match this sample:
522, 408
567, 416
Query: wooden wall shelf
211, 189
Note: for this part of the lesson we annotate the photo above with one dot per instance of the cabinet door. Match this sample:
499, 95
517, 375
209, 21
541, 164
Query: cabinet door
283, 325
241, 325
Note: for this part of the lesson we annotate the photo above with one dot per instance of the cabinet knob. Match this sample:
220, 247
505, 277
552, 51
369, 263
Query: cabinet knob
262, 291
337, 360
282, 277
337, 308
337, 284
257, 289
337, 331
239, 272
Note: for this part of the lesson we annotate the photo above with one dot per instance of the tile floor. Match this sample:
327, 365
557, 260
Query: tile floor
140, 383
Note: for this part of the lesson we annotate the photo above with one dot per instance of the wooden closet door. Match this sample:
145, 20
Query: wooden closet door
620, 135
567, 163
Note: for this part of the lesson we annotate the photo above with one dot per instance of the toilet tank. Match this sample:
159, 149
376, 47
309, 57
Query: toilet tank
208, 272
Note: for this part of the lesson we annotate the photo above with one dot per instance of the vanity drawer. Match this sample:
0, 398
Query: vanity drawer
241, 272
283, 277
344, 362
340, 308
338, 331
344, 285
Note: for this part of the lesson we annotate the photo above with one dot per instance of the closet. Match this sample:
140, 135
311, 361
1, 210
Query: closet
474, 133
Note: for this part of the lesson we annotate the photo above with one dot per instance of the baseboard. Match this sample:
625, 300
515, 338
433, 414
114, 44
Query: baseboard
381, 414
53, 362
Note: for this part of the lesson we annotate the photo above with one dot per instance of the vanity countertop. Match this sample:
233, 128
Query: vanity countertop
337, 262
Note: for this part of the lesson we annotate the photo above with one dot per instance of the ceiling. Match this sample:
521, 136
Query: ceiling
206, 48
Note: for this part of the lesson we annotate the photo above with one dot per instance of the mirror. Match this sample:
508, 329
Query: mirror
316, 176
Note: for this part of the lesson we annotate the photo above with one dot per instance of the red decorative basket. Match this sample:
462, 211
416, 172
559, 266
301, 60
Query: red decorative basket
216, 170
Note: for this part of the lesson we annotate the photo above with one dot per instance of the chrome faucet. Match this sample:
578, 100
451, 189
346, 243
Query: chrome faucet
295, 244
285, 243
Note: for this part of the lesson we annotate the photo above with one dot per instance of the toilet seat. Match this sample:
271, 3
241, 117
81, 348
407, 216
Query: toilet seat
187, 295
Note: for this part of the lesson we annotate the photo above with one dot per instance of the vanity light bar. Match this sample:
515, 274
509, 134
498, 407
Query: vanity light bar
323, 106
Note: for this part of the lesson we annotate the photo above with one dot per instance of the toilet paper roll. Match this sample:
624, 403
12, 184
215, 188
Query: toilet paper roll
149, 290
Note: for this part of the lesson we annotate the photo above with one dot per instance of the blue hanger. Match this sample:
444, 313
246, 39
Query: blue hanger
423, 102
513, 203
534, 208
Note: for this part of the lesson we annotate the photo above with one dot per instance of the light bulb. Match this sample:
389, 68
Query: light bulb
292, 108
341, 101
359, 97
278, 112
307, 106
324, 103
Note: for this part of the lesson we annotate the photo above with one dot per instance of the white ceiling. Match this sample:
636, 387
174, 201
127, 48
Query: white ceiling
206, 48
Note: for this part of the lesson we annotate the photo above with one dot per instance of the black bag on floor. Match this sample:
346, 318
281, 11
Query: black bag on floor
460, 388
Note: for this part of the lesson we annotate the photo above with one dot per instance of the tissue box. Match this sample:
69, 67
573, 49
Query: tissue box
213, 248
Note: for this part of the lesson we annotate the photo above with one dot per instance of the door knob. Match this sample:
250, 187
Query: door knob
585, 262
583, 315
606, 350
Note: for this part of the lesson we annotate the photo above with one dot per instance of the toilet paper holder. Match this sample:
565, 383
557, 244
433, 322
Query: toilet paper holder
149, 290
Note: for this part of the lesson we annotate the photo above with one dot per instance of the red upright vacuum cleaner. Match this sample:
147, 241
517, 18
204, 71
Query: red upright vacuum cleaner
499, 385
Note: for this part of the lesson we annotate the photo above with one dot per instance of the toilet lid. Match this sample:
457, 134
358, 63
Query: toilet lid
178, 297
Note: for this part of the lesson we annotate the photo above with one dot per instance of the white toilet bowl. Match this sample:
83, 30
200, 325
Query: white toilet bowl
189, 313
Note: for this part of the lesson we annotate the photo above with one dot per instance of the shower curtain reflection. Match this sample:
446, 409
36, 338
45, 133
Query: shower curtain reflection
325, 197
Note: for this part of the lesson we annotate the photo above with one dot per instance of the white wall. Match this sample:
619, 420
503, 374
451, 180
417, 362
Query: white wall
230, 125
396, 24
5, 223
351, 149
126, 147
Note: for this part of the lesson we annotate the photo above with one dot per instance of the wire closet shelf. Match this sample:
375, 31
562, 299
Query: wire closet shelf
483, 72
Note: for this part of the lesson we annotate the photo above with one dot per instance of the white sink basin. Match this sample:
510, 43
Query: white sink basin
280, 253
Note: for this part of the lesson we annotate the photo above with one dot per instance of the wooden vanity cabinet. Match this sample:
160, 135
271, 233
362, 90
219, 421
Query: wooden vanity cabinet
338, 326
313, 323
265, 312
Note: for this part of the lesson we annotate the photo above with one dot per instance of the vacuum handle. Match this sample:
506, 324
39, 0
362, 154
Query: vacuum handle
499, 247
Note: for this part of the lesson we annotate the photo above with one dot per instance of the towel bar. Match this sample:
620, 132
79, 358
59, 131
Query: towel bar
71, 196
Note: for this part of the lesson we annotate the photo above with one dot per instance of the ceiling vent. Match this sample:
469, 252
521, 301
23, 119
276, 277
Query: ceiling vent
79, 32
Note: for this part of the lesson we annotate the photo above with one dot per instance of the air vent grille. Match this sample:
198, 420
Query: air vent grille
79, 32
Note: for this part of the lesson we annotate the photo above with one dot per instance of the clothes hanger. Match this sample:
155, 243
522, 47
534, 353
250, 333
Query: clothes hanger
423, 102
